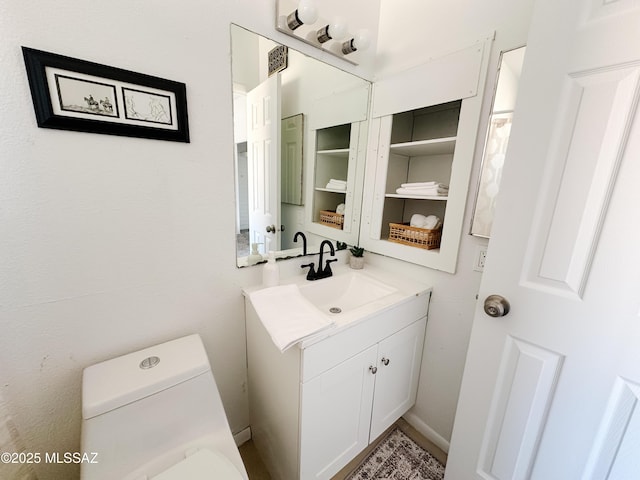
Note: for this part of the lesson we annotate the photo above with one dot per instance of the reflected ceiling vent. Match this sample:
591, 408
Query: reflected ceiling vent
278, 59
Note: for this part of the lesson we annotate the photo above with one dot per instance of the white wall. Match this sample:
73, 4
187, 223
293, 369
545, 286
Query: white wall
110, 244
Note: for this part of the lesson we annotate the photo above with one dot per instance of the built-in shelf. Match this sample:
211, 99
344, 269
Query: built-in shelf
438, 146
332, 190
417, 197
338, 152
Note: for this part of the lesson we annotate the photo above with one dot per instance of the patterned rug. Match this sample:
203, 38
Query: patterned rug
399, 458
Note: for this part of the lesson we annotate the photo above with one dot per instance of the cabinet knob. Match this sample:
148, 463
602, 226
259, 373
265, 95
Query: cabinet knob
373, 369
385, 361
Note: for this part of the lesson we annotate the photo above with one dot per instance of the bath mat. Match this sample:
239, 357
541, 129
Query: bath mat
399, 458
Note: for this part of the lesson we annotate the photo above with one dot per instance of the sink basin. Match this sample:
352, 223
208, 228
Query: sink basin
345, 292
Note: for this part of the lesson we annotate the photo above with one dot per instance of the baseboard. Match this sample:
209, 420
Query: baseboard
243, 436
433, 436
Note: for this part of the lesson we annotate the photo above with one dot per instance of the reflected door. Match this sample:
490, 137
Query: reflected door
550, 391
263, 160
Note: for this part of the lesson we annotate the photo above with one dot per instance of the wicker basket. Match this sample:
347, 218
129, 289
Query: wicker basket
414, 236
331, 219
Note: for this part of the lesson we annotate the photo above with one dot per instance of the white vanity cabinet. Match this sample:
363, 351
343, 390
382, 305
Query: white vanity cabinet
423, 129
313, 409
351, 404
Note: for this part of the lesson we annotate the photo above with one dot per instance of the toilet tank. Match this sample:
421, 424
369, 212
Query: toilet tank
154, 403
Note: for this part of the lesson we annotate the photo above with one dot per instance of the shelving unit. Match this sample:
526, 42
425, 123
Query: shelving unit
422, 147
332, 162
428, 144
335, 152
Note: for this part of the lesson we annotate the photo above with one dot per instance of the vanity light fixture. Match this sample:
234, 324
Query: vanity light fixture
305, 13
360, 41
302, 19
335, 30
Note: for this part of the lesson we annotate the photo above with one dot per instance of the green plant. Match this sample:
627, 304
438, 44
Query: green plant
357, 251
341, 246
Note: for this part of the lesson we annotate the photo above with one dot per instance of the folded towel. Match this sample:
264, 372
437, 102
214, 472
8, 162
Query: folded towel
337, 184
340, 209
423, 184
287, 315
429, 222
425, 191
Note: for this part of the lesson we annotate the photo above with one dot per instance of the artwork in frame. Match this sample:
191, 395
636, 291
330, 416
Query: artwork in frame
72, 94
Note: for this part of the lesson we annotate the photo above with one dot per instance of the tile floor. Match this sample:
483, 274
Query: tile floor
257, 471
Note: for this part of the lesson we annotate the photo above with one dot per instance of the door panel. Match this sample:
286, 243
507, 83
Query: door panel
585, 151
615, 449
525, 387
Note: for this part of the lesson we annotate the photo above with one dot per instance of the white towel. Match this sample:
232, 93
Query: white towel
337, 184
423, 184
287, 315
425, 191
429, 222
340, 208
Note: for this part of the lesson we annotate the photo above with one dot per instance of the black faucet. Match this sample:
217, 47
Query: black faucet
304, 241
322, 272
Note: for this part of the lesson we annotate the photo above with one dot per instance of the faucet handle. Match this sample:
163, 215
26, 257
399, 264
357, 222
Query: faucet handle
311, 274
327, 268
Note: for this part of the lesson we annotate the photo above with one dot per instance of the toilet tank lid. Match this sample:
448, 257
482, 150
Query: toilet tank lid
122, 380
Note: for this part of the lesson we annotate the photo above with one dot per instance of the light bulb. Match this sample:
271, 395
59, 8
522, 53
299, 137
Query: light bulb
361, 41
306, 13
336, 30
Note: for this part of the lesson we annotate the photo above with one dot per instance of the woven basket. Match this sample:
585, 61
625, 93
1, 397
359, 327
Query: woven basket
331, 219
414, 236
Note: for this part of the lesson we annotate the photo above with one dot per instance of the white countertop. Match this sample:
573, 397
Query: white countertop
404, 289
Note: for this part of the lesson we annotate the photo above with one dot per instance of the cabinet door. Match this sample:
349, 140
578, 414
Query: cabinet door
336, 411
399, 358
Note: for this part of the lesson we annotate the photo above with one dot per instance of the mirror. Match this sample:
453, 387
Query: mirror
495, 148
283, 102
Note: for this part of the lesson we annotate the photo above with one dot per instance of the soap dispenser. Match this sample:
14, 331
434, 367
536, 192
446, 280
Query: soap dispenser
271, 271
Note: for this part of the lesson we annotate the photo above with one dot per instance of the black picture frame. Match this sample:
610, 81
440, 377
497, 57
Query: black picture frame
83, 96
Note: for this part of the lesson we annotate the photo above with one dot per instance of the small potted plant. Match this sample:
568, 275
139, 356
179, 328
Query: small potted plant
356, 260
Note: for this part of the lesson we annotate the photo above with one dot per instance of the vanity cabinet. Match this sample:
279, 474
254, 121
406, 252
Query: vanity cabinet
424, 129
313, 409
351, 404
336, 153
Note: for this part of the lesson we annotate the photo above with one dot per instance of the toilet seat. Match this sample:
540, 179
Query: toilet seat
204, 464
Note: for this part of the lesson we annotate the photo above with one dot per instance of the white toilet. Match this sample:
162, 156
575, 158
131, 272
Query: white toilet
156, 414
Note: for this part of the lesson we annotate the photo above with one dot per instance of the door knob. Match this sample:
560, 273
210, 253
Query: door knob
496, 306
373, 369
272, 228
385, 361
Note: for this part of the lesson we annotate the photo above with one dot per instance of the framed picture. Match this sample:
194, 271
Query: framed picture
72, 94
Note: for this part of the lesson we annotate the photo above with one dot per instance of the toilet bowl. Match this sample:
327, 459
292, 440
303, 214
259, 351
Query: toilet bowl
156, 414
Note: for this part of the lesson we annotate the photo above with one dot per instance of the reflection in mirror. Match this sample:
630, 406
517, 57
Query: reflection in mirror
277, 111
497, 140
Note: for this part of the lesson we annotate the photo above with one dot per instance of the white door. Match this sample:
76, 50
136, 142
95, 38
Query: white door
399, 358
263, 158
550, 391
